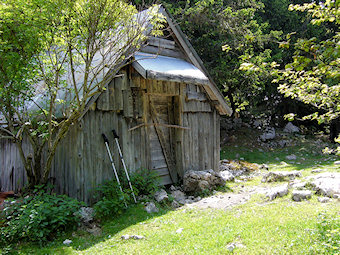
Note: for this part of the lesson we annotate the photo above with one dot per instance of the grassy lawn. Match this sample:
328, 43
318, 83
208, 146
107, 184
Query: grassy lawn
279, 227
257, 227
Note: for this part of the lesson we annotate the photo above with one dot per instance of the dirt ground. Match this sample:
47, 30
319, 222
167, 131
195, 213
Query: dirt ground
228, 200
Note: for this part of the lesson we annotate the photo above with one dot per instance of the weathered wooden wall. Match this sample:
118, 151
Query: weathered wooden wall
12, 172
201, 144
81, 161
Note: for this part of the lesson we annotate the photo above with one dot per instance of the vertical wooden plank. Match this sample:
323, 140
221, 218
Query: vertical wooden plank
142, 83
103, 100
91, 157
127, 103
80, 149
159, 86
199, 119
135, 79
111, 91
209, 133
214, 138
217, 148
190, 150
118, 95
68, 159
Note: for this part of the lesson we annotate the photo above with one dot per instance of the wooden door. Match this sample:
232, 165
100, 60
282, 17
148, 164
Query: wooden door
161, 138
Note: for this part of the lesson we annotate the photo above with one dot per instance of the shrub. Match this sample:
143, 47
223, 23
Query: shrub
145, 182
110, 199
38, 218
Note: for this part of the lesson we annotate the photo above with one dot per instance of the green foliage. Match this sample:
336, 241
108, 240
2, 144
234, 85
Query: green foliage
54, 56
328, 234
225, 33
111, 201
145, 182
313, 76
38, 218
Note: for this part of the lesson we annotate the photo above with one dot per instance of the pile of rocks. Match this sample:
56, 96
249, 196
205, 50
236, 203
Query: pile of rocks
198, 181
326, 184
175, 194
229, 170
281, 176
194, 182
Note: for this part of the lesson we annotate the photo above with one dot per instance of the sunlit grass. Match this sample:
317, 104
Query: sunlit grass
257, 227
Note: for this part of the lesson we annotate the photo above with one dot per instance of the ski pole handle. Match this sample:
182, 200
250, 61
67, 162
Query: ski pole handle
105, 138
115, 134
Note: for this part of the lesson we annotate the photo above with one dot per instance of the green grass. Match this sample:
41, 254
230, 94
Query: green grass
279, 227
260, 227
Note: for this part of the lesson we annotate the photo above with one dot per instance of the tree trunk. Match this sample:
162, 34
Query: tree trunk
229, 94
334, 129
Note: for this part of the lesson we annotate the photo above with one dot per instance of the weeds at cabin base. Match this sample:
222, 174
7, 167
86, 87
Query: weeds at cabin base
257, 226
111, 201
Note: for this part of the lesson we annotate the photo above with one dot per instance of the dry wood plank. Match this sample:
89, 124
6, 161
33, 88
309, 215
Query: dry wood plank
157, 124
195, 140
161, 42
111, 89
157, 155
159, 87
167, 154
161, 94
174, 53
115, 125
148, 85
125, 79
157, 164
127, 103
211, 88
165, 180
143, 144
138, 67
143, 84
135, 80
179, 136
207, 138
146, 130
118, 95
217, 141
214, 138
162, 171
154, 86
103, 101
185, 146
197, 96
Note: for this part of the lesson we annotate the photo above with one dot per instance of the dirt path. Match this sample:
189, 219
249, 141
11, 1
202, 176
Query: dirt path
228, 200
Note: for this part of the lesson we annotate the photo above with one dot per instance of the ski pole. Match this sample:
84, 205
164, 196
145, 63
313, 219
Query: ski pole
123, 162
106, 141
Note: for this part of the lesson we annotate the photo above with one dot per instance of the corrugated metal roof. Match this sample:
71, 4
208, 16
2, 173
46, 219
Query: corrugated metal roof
167, 66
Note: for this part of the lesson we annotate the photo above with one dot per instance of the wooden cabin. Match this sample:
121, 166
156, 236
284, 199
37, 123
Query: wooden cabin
166, 110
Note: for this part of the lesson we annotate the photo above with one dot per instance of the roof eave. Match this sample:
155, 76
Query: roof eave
211, 88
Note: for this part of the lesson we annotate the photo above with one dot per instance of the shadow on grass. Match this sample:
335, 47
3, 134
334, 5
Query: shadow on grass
82, 240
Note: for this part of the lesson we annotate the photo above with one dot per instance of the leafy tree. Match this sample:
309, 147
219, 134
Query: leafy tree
225, 34
314, 74
56, 55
